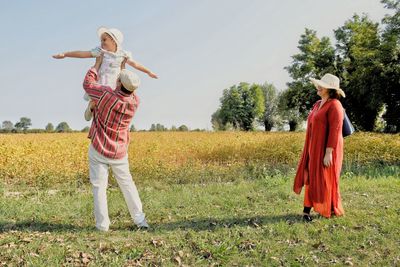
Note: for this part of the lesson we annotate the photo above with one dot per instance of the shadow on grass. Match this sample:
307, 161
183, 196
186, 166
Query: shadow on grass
210, 224
205, 224
38, 226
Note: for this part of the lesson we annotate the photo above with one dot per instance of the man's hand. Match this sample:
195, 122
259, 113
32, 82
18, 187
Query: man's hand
99, 60
152, 75
92, 105
123, 63
59, 56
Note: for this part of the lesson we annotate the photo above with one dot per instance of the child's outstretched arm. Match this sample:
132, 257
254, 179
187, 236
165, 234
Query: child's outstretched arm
142, 68
75, 54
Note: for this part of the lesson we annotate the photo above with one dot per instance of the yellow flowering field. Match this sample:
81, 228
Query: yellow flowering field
57, 158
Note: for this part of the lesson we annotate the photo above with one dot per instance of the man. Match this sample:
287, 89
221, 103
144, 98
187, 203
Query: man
109, 133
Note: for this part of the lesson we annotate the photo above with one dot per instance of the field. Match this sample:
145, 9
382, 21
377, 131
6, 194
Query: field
220, 199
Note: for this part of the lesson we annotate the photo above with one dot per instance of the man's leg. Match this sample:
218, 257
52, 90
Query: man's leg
98, 172
121, 171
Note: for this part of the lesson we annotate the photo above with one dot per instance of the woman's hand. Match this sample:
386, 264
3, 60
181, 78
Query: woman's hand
328, 157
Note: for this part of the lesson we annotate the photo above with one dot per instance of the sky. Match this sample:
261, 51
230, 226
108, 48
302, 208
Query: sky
197, 48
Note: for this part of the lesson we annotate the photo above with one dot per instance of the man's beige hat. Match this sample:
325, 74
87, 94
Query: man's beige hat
115, 34
329, 81
129, 80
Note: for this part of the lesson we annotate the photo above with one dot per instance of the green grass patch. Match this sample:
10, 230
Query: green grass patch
241, 222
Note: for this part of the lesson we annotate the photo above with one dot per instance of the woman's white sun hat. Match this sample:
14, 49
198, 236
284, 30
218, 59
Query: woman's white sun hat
129, 80
115, 34
329, 81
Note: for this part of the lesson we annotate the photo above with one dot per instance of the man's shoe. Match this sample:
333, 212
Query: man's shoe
143, 225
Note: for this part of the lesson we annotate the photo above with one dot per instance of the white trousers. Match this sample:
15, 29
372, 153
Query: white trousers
98, 172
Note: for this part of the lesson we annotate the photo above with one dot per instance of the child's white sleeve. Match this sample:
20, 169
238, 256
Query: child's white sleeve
96, 51
128, 55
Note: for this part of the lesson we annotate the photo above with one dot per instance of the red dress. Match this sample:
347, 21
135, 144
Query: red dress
324, 129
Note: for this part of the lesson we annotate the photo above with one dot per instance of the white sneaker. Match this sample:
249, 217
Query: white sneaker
143, 224
88, 113
101, 229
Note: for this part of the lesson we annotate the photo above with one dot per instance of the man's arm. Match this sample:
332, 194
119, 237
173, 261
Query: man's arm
92, 88
140, 67
75, 54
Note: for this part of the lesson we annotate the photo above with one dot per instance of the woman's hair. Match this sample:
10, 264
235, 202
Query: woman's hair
334, 94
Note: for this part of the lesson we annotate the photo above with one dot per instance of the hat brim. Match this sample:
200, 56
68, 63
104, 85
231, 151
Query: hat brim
317, 83
102, 30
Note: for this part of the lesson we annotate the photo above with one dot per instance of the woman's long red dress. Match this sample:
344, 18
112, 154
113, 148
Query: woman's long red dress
324, 129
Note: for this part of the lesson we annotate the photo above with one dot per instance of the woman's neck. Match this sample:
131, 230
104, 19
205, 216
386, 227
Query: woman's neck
324, 98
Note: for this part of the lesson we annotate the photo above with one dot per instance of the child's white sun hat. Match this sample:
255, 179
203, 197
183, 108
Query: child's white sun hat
115, 34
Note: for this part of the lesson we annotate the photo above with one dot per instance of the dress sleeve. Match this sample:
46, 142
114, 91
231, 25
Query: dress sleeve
128, 55
96, 51
302, 169
335, 122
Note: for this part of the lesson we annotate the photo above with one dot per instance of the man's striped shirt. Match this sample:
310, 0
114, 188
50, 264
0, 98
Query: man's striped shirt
112, 116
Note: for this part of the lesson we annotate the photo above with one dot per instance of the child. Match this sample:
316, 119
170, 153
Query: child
111, 40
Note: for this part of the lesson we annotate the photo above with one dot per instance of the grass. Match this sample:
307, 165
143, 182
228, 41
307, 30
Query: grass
253, 222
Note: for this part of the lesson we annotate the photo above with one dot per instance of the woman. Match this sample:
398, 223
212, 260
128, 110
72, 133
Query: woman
321, 160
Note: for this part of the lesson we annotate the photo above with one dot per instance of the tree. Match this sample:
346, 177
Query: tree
158, 128
23, 124
358, 51
217, 122
183, 128
63, 127
390, 59
271, 106
290, 114
241, 106
49, 128
253, 106
231, 107
85, 129
132, 129
316, 57
7, 126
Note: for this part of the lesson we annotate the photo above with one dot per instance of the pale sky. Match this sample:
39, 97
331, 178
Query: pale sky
197, 47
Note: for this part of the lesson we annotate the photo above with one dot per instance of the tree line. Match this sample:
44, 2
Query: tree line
24, 124
366, 58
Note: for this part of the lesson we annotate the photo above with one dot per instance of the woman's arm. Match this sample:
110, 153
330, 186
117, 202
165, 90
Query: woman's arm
335, 121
